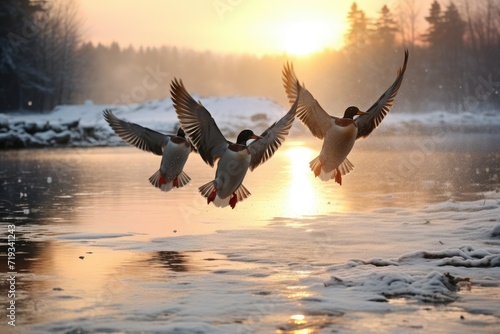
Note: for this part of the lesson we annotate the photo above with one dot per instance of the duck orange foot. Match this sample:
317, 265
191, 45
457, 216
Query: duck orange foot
338, 177
211, 197
233, 200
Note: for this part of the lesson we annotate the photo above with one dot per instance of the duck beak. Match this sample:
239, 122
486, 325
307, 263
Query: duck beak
361, 112
254, 136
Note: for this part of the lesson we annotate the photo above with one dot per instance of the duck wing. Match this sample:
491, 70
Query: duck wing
198, 124
263, 149
309, 110
136, 135
376, 113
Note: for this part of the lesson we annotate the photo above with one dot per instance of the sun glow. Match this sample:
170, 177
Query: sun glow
306, 37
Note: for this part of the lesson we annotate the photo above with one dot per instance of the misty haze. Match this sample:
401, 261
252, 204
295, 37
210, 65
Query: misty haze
112, 114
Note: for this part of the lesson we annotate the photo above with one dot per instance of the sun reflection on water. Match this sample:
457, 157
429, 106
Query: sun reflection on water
297, 292
297, 324
301, 194
300, 320
306, 195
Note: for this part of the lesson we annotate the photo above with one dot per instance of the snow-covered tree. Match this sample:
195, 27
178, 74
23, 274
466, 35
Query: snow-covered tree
18, 34
38, 53
57, 45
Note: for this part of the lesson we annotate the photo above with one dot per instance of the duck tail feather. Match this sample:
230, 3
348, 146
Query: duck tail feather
316, 165
182, 179
242, 192
158, 180
209, 191
155, 179
346, 167
207, 188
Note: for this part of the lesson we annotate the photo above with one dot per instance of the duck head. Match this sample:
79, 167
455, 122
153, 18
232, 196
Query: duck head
353, 111
246, 135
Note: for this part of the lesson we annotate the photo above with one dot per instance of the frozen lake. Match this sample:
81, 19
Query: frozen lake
407, 244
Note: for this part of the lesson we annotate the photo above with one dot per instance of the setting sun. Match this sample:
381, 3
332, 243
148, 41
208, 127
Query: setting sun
305, 37
256, 27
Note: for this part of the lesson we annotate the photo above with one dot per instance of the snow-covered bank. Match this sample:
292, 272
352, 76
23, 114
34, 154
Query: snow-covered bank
83, 125
396, 270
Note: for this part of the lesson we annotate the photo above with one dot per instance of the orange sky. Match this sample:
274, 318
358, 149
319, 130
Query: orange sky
240, 26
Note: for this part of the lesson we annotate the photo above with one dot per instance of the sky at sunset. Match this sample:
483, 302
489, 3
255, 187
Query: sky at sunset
225, 26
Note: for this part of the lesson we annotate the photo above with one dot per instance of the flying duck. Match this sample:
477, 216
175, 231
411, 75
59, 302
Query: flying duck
174, 150
234, 158
338, 134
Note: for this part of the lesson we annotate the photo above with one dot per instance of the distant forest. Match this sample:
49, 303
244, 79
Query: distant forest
454, 65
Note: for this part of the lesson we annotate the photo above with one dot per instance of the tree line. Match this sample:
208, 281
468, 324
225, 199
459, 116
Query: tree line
454, 63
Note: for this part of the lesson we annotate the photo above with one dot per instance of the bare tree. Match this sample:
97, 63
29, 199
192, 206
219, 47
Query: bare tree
483, 23
57, 47
408, 15
483, 39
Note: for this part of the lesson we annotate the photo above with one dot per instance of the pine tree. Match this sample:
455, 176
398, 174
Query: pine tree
18, 34
38, 48
435, 32
446, 55
453, 27
385, 29
453, 55
446, 29
357, 35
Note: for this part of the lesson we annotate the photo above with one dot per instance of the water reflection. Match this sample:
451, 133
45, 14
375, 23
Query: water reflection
309, 323
94, 193
301, 196
106, 190
171, 260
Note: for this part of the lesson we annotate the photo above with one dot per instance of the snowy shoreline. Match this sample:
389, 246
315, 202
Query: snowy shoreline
84, 126
109, 253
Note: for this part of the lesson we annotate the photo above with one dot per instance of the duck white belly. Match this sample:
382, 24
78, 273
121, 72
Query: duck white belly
173, 159
337, 144
231, 171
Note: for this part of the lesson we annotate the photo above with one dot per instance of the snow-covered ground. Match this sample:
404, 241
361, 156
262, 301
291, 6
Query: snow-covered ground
112, 254
83, 125
435, 271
